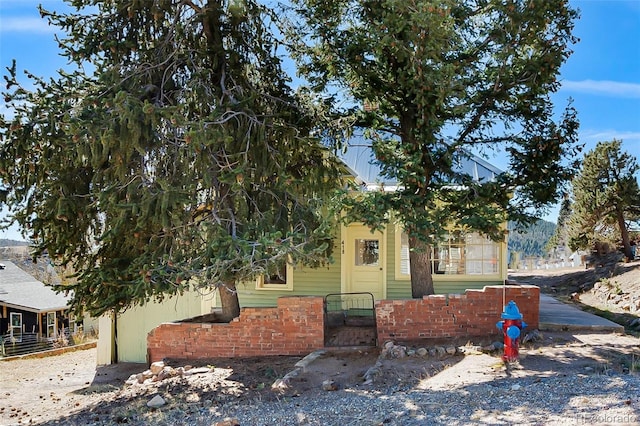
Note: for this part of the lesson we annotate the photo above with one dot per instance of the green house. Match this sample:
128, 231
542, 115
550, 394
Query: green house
378, 263
363, 262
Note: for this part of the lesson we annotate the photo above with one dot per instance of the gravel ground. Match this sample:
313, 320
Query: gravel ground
567, 379
555, 400
571, 400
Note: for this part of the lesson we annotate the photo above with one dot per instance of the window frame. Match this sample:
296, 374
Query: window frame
16, 336
287, 286
51, 327
497, 250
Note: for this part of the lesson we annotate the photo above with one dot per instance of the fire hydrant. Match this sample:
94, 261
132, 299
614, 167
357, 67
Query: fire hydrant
511, 327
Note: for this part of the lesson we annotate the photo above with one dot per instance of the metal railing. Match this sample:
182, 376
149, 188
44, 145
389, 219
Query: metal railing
28, 343
352, 309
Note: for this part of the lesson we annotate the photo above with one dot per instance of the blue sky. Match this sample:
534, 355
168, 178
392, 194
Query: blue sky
602, 76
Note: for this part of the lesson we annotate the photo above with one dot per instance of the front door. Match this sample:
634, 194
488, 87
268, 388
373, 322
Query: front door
364, 259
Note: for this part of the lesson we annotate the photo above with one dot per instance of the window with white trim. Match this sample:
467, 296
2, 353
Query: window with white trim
458, 254
51, 324
15, 326
73, 327
281, 279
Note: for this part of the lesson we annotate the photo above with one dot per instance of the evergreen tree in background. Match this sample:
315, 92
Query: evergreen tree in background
560, 237
606, 197
532, 240
431, 82
174, 155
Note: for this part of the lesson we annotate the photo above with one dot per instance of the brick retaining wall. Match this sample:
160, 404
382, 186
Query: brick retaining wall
296, 325
473, 313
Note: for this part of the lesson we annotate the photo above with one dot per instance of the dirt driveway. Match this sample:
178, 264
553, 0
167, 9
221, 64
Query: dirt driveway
69, 386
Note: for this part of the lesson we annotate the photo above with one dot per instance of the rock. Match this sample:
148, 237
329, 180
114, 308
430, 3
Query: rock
329, 385
132, 380
229, 421
411, 352
422, 352
516, 387
532, 336
156, 367
280, 385
432, 352
372, 372
441, 351
489, 348
199, 370
399, 352
144, 376
451, 350
156, 402
391, 351
166, 373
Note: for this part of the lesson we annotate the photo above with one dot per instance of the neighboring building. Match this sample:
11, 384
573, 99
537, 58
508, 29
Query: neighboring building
29, 307
376, 263
123, 338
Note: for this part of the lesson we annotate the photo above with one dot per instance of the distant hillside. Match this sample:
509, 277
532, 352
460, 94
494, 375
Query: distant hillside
12, 243
531, 241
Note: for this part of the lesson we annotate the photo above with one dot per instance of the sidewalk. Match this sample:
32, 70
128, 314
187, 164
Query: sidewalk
555, 315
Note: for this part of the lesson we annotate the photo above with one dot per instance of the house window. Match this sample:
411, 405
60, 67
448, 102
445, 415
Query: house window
281, 279
15, 326
51, 324
403, 266
458, 254
72, 324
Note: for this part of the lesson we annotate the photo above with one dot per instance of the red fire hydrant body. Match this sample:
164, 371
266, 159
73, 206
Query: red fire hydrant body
511, 326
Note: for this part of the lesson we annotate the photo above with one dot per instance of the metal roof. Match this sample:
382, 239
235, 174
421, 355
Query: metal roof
22, 291
359, 157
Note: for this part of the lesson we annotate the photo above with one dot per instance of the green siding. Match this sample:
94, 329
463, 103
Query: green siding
327, 279
396, 289
306, 282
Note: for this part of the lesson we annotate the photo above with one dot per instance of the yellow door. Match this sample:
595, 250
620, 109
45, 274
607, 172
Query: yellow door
364, 258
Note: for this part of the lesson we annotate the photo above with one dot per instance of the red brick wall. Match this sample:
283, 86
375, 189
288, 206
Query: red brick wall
473, 313
294, 327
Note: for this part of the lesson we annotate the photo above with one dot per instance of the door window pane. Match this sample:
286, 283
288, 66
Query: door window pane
367, 252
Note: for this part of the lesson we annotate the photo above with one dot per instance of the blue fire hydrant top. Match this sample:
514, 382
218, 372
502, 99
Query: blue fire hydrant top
511, 312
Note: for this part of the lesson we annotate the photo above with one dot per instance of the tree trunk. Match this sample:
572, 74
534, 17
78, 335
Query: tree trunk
229, 300
420, 264
624, 233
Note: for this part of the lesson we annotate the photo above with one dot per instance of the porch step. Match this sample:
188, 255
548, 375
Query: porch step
350, 336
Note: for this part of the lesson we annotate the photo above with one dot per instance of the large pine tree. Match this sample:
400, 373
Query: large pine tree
173, 156
606, 197
441, 79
